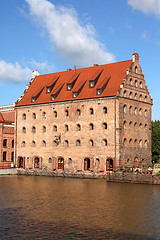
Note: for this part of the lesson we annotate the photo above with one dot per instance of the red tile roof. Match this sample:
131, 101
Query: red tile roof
106, 78
8, 116
8, 130
1, 117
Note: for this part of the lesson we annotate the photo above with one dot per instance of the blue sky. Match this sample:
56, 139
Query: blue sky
53, 35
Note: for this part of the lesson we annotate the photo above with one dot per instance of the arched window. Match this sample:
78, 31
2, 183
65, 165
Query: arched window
66, 128
135, 125
33, 143
130, 141
135, 96
140, 125
23, 144
91, 143
44, 115
105, 142
91, 126
140, 97
61, 163
104, 125
135, 111
55, 114
69, 161
105, 110
140, 84
145, 113
78, 143
124, 93
43, 143
140, 112
145, 126
146, 143
130, 124
135, 142
140, 143
124, 124
78, 112
5, 143
130, 110
78, 127
136, 69
131, 82
44, 129
66, 143
55, 143
136, 83
130, 95
91, 111
13, 143
24, 130
145, 99
86, 164
66, 113
124, 108
97, 163
125, 141
24, 116
33, 129
34, 116
54, 128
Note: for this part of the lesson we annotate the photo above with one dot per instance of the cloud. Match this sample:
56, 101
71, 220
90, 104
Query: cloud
41, 66
70, 39
144, 36
10, 72
146, 6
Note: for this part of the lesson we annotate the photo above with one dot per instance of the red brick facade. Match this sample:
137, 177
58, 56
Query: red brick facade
91, 119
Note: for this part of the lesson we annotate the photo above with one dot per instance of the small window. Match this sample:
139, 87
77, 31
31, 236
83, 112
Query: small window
145, 126
69, 161
135, 142
105, 142
24, 130
136, 69
136, 83
55, 114
135, 111
5, 143
130, 141
131, 82
34, 116
44, 115
124, 124
33, 129
140, 84
130, 110
135, 125
44, 129
24, 116
66, 143
13, 143
130, 124
130, 95
145, 113
125, 141
78, 112
50, 160
78, 127
66, 128
23, 144
91, 111
33, 143
135, 96
91, 126
105, 110
4, 156
55, 143
125, 93
104, 125
140, 97
43, 143
146, 144
91, 143
67, 113
140, 143
124, 109
54, 128
78, 143
12, 156
145, 99
140, 112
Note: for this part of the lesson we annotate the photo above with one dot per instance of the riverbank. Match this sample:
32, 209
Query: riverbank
120, 177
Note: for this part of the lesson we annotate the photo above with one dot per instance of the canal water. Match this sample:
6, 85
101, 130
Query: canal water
65, 208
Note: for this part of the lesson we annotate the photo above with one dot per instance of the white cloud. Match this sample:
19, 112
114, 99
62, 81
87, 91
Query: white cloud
146, 6
41, 66
144, 36
10, 72
74, 42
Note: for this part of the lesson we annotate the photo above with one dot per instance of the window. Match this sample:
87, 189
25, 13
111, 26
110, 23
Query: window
78, 127
105, 142
130, 141
104, 125
130, 110
91, 143
136, 69
105, 110
33, 143
124, 109
49, 160
24, 130
136, 83
4, 156
5, 143
33, 129
124, 94
135, 96
125, 141
44, 129
135, 111
23, 144
140, 112
91, 111
130, 95
66, 128
91, 126
67, 113
66, 143
54, 128
140, 143
12, 143
55, 143
12, 156
124, 124
34, 116
43, 143
44, 114
145, 113
24, 116
130, 123
140, 97
145, 126
146, 144
145, 99
55, 114
131, 81
78, 143
140, 84
60, 163
135, 125
135, 142
69, 161
78, 112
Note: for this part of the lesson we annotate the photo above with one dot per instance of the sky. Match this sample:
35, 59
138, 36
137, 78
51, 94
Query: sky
53, 35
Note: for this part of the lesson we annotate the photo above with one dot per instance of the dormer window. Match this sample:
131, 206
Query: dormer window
91, 84
33, 100
52, 98
48, 90
69, 87
98, 92
74, 95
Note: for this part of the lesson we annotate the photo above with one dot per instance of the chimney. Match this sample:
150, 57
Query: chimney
135, 57
74, 68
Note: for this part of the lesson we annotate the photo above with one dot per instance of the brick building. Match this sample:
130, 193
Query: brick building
6, 136
94, 119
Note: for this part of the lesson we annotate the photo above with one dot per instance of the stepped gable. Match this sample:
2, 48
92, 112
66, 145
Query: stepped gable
106, 77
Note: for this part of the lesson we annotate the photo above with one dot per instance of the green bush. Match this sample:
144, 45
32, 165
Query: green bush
158, 174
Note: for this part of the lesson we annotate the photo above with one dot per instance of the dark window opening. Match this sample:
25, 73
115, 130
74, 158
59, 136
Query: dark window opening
109, 164
86, 164
61, 163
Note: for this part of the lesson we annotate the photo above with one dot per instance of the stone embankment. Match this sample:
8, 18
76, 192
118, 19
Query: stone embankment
109, 176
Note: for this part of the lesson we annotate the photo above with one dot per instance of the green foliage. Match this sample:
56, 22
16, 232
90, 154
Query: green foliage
155, 141
158, 174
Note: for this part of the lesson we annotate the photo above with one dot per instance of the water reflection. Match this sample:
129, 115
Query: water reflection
60, 208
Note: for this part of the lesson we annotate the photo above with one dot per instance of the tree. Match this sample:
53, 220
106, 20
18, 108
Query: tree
155, 141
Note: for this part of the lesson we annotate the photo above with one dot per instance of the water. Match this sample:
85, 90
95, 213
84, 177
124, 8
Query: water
61, 208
